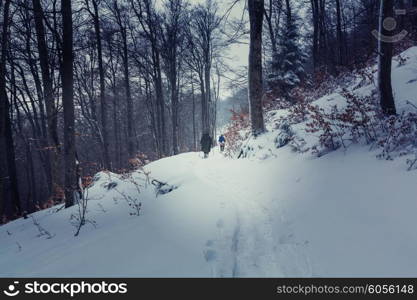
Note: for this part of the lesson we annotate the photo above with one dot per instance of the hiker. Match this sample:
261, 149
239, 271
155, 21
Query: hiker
206, 144
222, 142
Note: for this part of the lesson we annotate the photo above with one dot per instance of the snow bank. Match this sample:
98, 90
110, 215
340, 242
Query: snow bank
340, 215
282, 131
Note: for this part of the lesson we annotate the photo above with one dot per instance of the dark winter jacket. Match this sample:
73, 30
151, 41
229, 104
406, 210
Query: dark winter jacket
206, 143
222, 139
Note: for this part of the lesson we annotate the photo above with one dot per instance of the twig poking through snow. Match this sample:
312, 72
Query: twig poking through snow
82, 211
42, 231
133, 203
101, 207
412, 163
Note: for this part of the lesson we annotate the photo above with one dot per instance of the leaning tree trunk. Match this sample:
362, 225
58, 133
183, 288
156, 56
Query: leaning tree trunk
256, 9
385, 42
68, 103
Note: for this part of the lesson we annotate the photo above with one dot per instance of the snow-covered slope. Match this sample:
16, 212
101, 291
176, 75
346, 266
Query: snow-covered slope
360, 84
341, 215
286, 214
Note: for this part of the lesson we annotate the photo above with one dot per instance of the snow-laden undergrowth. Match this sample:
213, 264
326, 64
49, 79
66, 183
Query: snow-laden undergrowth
347, 115
276, 213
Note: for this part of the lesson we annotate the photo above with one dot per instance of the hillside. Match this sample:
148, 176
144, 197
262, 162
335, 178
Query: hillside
276, 213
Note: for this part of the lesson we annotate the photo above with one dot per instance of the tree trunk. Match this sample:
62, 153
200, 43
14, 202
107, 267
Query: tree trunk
315, 10
30, 206
9, 190
130, 142
256, 8
160, 103
51, 112
207, 101
103, 105
271, 30
194, 131
385, 42
68, 103
116, 162
204, 107
414, 18
323, 49
339, 33
174, 98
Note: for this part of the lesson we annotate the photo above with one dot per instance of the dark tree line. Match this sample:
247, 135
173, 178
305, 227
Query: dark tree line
9, 188
92, 85
339, 35
343, 35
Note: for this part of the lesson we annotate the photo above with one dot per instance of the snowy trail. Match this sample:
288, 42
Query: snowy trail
255, 249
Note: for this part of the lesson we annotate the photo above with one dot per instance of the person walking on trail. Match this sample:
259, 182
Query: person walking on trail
206, 144
222, 142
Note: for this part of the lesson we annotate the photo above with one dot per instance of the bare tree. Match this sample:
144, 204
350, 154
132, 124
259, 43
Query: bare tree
273, 19
151, 26
121, 20
68, 103
48, 94
204, 41
103, 104
256, 12
173, 36
8, 176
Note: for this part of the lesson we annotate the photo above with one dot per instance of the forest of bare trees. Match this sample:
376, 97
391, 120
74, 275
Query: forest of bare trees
92, 85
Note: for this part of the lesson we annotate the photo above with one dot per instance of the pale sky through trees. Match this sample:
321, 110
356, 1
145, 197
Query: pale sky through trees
236, 56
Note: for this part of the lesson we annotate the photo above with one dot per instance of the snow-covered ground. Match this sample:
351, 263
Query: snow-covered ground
286, 214
341, 215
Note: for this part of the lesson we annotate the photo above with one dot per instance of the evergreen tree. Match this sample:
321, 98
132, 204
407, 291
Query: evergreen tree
286, 68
